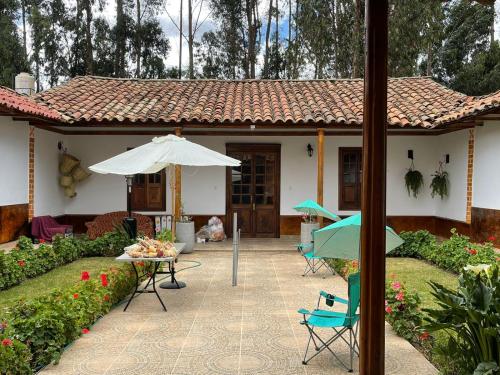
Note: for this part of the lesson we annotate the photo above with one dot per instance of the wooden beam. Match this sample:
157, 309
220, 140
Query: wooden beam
321, 169
178, 184
372, 324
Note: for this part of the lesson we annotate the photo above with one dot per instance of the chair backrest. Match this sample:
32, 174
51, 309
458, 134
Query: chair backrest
353, 285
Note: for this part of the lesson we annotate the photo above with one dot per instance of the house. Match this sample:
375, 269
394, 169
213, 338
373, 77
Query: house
296, 139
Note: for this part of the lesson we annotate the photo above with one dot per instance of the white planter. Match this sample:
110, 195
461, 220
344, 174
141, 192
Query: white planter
184, 232
305, 231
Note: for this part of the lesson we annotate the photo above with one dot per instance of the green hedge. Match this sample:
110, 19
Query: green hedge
26, 261
38, 330
452, 254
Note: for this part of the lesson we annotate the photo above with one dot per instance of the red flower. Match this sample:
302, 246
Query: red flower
85, 276
75, 296
400, 296
472, 251
425, 336
21, 263
85, 331
41, 240
491, 238
388, 309
104, 280
140, 264
6, 342
106, 297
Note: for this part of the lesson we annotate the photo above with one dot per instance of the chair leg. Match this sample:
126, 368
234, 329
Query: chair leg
350, 349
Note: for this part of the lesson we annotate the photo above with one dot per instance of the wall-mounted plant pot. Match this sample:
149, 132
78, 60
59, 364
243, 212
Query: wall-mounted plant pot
305, 231
184, 232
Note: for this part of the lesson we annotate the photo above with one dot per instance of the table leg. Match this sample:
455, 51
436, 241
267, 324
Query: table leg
136, 286
173, 284
157, 265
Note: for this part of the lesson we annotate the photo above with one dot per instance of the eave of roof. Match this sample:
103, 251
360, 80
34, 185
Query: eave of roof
13, 103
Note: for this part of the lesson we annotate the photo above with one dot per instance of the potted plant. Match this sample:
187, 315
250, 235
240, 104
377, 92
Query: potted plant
439, 183
184, 232
308, 224
413, 181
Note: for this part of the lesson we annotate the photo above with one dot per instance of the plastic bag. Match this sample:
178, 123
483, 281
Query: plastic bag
216, 229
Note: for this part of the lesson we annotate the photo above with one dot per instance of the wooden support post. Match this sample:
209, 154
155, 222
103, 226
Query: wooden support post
321, 170
373, 197
178, 184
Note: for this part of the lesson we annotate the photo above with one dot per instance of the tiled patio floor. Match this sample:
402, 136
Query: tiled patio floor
214, 328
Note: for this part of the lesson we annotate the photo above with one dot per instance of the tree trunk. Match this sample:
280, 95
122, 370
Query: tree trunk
25, 48
251, 37
277, 36
429, 60
138, 39
180, 41
190, 39
265, 70
357, 42
89, 63
492, 30
120, 40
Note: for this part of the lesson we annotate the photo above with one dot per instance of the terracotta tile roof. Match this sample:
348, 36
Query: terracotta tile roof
412, 102
11, 101
473, 106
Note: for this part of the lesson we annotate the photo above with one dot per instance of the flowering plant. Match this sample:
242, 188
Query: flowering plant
402, 311
308, 218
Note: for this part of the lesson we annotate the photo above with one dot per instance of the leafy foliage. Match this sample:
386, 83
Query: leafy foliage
413, 181
165, 235
414, 244
471, 313
14, 356
439, 184
26, 261
46, 324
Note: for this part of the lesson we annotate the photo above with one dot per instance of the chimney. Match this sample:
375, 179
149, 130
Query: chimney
25, 84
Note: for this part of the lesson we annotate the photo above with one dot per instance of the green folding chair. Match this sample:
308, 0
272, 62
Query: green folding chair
313, 263
340, 322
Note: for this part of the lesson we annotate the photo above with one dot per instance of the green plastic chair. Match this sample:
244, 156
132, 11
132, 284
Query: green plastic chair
339, 322
313, 262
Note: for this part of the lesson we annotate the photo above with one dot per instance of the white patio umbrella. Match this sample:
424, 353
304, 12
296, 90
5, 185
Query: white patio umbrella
160, 153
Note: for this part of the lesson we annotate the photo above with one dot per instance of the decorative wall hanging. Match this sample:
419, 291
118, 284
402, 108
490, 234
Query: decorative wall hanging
71, 173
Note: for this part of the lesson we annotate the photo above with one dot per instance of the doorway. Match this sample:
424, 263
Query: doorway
253, 189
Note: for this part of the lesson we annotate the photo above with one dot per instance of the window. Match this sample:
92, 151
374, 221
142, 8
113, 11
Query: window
350, 169
148, 192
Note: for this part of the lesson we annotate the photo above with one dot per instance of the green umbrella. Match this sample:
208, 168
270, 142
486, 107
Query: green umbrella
311, 208
341, 240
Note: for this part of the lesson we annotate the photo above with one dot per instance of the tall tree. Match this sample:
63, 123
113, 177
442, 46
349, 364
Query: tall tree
11, 48
120, 36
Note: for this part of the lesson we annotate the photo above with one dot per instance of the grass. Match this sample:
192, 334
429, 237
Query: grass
416, 274
59, 277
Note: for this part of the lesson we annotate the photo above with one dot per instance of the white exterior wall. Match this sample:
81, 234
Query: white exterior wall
486, 177
49, 196
456, 145
14, 147
203, 188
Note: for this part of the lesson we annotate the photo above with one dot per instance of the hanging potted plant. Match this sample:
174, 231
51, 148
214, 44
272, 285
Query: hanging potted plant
413, 180
439, 183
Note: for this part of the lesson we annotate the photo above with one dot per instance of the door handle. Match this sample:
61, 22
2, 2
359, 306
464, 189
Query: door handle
253, 206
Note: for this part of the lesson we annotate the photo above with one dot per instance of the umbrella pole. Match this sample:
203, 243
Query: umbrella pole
172, 191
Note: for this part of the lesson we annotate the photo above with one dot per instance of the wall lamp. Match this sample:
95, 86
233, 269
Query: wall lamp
310, 150
410, 154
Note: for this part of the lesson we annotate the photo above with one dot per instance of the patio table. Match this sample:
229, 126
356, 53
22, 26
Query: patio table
157, 263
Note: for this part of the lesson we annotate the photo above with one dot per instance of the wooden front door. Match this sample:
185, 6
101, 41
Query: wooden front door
253, 189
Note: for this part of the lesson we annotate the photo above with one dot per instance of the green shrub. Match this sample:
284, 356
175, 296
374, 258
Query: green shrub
48, 323
26, 261
471, 314
165, 235
457, 252
414, 244
14, 356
